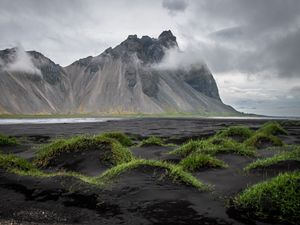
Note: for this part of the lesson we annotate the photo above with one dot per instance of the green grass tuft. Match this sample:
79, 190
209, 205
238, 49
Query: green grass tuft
280, 157
119, 136
260, 138
174, 171
235, 131
9, 162
119, 153
152, 140
197, 161
276, 199
272, 128
200, 146
213, 146
5, 140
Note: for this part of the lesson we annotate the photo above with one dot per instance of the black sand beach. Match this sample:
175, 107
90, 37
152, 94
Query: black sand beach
138, 196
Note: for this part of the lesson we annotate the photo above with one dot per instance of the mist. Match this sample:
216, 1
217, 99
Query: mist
175, 59
22, 62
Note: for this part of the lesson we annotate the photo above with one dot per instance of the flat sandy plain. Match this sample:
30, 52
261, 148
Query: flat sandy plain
137, 196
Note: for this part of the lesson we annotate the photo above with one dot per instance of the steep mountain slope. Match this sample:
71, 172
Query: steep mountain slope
30, 83
126, 79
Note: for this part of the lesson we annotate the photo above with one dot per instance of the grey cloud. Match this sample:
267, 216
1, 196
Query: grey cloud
227, 33
175, 5
261, 37
68, 30
258, 38
295, 91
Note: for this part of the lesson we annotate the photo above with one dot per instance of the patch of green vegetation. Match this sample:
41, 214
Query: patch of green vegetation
153, 140
14, 164
276, 199
213, 146
197, 161
280, 157
174, 171
259, 139
224, 141
119, 136
10, 161
227, 145
17, 165
272, 128
235, 131
118, 153
200, 146
6, 140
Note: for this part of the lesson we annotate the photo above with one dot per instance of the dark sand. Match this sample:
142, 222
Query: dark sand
136, 197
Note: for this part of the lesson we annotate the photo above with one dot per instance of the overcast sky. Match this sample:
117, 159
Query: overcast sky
252, 47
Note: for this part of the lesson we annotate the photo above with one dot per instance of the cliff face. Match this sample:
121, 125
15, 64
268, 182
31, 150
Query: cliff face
124, 79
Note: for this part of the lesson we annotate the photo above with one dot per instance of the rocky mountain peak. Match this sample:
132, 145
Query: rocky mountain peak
168, 39
148, 50
166, 34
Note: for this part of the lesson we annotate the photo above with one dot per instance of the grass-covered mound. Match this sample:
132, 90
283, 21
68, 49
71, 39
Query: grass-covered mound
10, 162
262, 140
273, 128
119, 136
235, 139
282, 157
213, 146
114, 151
20, 166
274, 200
152, 141
238, 133
266, 136
17, 165
173, 171
6, 140
196, 161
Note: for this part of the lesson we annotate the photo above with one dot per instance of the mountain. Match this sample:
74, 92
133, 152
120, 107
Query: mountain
30, 83
124, 79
